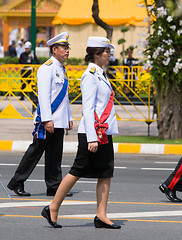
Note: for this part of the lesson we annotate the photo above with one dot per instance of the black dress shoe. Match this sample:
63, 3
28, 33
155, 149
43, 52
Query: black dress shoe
20, 192
46, 214
100, 224
170, 194
69, 194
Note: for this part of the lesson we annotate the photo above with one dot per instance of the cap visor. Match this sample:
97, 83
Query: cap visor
111, 46
63, 43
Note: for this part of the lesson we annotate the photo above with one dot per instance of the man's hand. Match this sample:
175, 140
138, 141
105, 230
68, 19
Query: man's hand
49, 126
70, 125
93, 146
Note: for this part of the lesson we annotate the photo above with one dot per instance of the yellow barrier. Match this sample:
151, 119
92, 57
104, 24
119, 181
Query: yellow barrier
132, 90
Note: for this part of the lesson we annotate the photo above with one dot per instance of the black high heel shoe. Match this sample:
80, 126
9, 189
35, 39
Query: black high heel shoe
100, 224
46, 214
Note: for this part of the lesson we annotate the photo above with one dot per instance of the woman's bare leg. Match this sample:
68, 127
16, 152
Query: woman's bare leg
65, 186
102, 193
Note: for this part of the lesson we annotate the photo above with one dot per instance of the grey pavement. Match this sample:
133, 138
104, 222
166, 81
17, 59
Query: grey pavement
21, 129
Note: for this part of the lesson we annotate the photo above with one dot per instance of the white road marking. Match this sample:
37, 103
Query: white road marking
39, 165
110, 215
166, 162
158, 169
40, 180
66, 166
131, 215
37, 204
120, 167
8, 164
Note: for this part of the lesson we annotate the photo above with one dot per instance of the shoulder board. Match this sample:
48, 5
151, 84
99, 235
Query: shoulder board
92, 70
48, 62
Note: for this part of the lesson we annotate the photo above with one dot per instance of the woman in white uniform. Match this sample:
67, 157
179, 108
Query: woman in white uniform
95, 155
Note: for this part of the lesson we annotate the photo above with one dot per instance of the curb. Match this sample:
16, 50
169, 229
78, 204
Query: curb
71, 147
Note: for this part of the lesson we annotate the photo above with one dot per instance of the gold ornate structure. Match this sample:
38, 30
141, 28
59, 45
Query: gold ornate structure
17, 14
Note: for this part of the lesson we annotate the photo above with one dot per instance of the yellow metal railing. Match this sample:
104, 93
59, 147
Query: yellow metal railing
133, 89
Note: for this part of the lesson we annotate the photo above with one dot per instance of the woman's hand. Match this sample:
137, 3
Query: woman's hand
93, 146
70, 125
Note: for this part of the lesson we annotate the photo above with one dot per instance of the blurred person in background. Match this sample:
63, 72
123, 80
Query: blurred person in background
20, 48
130, 74
12, 50
28, 57
1, 50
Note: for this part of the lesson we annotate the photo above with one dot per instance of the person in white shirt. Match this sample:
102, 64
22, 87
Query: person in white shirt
95, 154
52, 117
20, 48
1, 51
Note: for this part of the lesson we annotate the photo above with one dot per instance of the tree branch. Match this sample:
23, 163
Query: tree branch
148, 13
159, 3
95, 15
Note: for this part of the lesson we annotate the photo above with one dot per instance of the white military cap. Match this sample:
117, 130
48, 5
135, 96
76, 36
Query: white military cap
99, 42
62, 38
20, 42
28, 45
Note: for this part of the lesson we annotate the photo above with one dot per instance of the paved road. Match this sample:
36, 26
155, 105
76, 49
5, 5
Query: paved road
21, 129
135, 202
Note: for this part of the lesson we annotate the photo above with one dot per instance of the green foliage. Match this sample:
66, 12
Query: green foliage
125, 29
75, 61
42, 59
69, 61
164, 51
145, 139
121, 41
9, 60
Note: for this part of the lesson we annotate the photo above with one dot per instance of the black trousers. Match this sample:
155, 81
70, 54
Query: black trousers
174, 181
53, 147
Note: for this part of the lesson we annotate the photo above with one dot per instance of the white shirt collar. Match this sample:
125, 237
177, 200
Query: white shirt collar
56, 61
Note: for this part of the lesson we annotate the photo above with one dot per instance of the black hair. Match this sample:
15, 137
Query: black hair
89, 57
56, 45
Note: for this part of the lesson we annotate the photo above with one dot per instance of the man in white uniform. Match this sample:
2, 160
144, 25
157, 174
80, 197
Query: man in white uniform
52, 117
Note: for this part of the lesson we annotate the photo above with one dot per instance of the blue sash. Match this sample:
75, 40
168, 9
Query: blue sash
39, 129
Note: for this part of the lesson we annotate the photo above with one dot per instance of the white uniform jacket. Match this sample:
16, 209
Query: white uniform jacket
50, 79
96, 91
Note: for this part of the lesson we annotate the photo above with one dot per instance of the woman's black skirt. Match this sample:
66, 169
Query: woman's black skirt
93, 165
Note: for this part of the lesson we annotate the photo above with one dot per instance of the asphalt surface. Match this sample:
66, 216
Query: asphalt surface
134, 202
21, 129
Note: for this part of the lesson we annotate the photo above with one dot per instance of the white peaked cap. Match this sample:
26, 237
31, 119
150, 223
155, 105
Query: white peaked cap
99, 42
20, 42
61, 38
28, 45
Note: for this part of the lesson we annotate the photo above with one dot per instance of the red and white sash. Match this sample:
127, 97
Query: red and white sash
100, 125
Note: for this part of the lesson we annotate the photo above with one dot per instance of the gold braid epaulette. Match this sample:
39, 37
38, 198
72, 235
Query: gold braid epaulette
48, 62
92, 70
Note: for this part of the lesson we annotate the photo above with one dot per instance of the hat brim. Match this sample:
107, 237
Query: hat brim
60, 43
111, 46
101, 45
63, 43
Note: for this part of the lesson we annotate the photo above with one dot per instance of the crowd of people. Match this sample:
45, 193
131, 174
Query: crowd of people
15, 49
